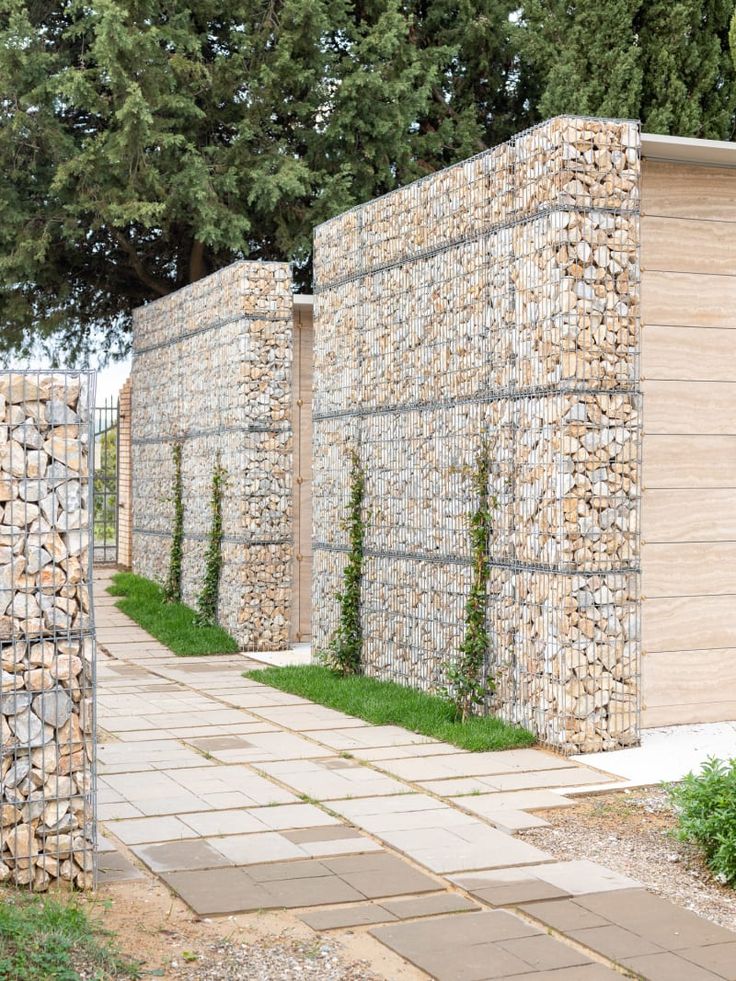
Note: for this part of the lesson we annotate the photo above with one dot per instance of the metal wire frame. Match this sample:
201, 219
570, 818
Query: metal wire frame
48, 745
107, 454
392, 313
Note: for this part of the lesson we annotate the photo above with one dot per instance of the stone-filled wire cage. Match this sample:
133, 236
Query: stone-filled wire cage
47, 646
495, 302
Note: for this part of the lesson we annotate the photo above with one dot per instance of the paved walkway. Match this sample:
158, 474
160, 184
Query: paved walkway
241, 797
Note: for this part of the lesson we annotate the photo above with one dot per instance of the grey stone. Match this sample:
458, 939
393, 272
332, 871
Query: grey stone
30, 730
53, 707
17, 773
12, 703
58, 413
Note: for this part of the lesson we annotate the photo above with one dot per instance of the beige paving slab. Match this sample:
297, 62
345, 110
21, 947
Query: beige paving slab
369, 737
514, 800
306, 717
345, 779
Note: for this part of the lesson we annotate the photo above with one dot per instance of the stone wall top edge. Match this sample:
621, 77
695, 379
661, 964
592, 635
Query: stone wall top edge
489, 151
207, 283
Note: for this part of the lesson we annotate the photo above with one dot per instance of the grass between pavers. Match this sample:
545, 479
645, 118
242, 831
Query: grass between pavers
43, 938
386, 703
171, 623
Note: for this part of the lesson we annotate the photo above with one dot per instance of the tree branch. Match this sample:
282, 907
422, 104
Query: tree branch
159, 287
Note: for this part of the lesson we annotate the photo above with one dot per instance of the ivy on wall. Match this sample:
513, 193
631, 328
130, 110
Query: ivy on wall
172, 586
207, 600
345, 651
468, 681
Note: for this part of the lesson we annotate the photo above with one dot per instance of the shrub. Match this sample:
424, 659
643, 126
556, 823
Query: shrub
706, 807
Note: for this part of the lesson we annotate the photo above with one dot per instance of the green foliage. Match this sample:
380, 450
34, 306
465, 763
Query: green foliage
44, 938
207, 600
706, 806
144, 144
174, 624
172, 586
345, 649
467, 675
386, 703
666, 62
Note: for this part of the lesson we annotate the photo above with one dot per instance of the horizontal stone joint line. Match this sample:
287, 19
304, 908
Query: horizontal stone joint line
489, 230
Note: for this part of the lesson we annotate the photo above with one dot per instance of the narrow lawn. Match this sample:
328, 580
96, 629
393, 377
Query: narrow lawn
171, 623
43, 938
386, 703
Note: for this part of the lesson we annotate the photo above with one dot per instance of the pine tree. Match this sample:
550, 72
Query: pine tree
145, 143
585, 55
665, 62
689, 81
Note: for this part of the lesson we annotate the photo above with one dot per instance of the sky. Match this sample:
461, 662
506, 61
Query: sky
110, 380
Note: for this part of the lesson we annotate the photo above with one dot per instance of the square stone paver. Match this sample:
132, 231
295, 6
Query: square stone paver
614, 942
346, 916
669, 967
417, 906
114, 867
718, 958
341, 779
662, 923
380, 874
515, 893
475, 946
213, 891
270, 846
145, 830
180, 855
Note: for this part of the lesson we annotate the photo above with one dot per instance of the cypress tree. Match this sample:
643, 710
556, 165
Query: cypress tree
146, 143
663, 61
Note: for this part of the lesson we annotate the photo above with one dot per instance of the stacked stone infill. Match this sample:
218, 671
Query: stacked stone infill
46, 635
496, 301
212, 370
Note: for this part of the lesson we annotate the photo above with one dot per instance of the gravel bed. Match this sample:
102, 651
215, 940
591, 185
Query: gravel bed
632, 833
274, 961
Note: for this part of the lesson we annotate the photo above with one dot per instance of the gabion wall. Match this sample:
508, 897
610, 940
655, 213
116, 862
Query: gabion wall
496, 301
47, 737
212, 369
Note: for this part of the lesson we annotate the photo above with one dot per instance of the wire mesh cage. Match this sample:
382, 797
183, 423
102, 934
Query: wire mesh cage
495, 303
47, 646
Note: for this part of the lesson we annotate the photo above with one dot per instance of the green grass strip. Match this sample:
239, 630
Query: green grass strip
44, 938
386, 703
171, 623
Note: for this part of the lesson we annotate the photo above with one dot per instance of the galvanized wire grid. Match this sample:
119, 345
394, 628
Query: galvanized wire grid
47, 645
495, 300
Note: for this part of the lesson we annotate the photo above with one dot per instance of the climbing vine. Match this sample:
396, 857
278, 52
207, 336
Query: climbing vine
207, 600
467, 675
172, 586
345, 649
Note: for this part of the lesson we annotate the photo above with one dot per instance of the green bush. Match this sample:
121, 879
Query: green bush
706, 808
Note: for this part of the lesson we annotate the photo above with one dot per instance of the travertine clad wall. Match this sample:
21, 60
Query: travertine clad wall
495, 301
47, 816
212, 368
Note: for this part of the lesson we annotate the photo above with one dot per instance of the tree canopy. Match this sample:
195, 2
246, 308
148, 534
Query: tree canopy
145, 143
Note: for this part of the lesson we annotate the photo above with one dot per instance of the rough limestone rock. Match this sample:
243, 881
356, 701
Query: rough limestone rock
46, 646
495, 301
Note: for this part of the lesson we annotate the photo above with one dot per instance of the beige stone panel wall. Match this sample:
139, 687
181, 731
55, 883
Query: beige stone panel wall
125, 478
213, 370
47, 649
689, 385
495, 302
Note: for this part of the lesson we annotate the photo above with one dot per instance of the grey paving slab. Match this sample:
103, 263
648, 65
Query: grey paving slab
718, 958
180, 855
346, 916
114, 867
418, 906
668, 967
477, 947
145, 830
